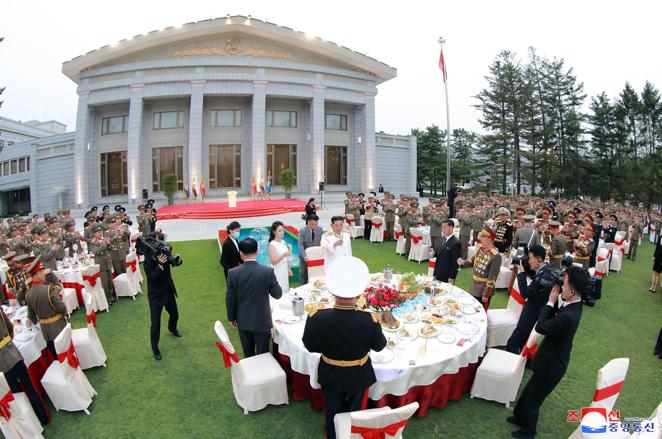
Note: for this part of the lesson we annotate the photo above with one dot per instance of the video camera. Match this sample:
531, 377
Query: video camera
153, 245
522, 255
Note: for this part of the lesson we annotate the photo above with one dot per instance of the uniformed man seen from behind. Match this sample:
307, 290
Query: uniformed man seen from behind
344, 336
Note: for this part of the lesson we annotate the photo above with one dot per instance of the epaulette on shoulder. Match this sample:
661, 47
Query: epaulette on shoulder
509, 222
328, 232
494, 251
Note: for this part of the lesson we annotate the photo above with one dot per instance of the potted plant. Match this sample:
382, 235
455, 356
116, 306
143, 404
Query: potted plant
288, 180
169, 185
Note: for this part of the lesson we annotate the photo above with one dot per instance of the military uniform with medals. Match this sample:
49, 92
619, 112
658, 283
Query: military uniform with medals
487, 266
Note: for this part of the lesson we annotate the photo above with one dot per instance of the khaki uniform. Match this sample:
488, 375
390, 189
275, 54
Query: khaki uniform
17, 283
144, 224
9, 354
583, 250
46, 307
487, 265
56, 237
477, 225
102, 257
389, 219
436, 220
634, 240
466, 222
22, 245
48, 255
412, 220
425, 213
71, 238
557, 249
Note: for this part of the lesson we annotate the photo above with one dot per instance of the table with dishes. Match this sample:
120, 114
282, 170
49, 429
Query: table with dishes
70, 274
435, 339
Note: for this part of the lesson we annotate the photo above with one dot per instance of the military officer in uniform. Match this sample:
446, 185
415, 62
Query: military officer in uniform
466, 219
344, 336
426, 211
635, 234
71, 238
401, 212
558, 246
143, 221
413, 220
503, 230
43, 247
526, 233
487, 265
118, 243
98, 246
542, 225
17, 279
389, 208
88, 234
584, 246
436, 220
478, 221
611, 230
44, 304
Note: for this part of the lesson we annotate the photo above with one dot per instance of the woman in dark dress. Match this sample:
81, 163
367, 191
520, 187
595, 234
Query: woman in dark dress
230, 256
657, 264
310, 208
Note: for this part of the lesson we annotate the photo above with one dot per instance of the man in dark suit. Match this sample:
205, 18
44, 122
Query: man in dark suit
230, 256
309, 236
161, 293
536, 296
558, 323
447, 253
247, 300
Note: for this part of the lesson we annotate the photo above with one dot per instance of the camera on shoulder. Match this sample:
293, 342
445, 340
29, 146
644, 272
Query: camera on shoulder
153, 246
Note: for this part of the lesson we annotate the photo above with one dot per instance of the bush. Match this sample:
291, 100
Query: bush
169, 185
287, 180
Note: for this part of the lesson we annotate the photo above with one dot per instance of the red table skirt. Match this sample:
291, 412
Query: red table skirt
446, 388
38, 368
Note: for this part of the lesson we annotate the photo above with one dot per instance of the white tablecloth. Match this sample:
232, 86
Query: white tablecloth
398, 375
29, 341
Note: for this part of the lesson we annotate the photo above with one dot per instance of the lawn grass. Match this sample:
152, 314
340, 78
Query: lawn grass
189, 395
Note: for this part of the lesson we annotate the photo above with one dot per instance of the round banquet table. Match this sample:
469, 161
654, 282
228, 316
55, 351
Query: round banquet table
72, 277
423, 369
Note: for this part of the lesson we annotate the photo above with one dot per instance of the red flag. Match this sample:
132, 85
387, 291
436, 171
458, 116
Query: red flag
442, 64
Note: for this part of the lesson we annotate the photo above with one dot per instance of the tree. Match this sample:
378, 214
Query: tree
431, 157
463, 166
2, 89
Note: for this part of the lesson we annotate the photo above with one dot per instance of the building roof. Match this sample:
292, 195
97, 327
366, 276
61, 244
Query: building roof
237, 23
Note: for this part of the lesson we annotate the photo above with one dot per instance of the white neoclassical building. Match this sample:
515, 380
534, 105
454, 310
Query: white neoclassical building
227, 101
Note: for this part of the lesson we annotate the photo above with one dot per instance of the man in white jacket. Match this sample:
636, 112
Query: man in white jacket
335, 242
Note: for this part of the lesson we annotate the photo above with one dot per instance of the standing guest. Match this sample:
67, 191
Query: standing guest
344, 336
17, 278
230, 256
269, 185
466, 220
447, 252
452, 194
98, 246
584, 246
143, 221
558, 246
526, 233
635, 235
657, 265
401, 213
414, 219
279, 254
247, 300
436, 220
309, 236
361, 198
503, 230
597, 234
355, 209
43, 247
381, 189
389, 208
426, 211
487, 265
15, 371
310, 208
335, 242
611, 230
370, 210
253, 189
347, 202
558, 323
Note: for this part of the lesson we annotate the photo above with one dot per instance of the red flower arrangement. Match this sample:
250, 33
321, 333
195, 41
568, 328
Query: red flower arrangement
383, 298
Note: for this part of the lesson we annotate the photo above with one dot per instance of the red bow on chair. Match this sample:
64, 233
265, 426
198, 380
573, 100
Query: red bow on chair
92, 279
530, 352
376, 225
607, 392
133, 265
416, 239
92, 318
227, 356
314, 262
399, 235
599, 274
432, 264
4, 405
69, 355
618, 242
349, 221
379, 432
601, 259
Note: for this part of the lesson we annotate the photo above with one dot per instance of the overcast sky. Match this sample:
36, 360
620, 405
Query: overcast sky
606, 42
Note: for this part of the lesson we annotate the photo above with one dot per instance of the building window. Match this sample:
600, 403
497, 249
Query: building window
336, 122
14, 166
280, 157
113, 174
114, 125
21, 165
5, 168
168, 160
224, 166
27, 161
225, 118
335, 164
282, 119
10, 143
168, 119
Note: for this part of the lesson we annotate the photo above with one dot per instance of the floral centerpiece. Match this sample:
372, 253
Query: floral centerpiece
383, 298
409, 286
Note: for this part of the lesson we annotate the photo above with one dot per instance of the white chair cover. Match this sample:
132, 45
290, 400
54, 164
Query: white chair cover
616, 259
432, 263
99, 300
133, 270
124, 287
657, 429
67, 386
400, 241
602, 263
354, 230
418, 250
256, 381
315, 263
503, 280
502, 322
89, 350
377, 231
471, 251
608, 387
381, 420
68, 296
22, 422
500, 374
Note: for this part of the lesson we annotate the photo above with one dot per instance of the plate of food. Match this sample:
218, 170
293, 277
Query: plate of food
450, 321
391, 326
319, 283
468, 328
435, 302
313, 307
406, 334
391, 342
377, 278
292, 319
446, 338
428, 331
434, 319
410, 318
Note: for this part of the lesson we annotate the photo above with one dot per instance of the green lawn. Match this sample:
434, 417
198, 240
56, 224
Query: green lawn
189, 395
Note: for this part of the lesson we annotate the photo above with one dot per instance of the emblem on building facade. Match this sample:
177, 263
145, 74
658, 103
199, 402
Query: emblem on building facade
233, 46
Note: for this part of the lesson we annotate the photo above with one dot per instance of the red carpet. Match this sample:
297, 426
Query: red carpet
219, 210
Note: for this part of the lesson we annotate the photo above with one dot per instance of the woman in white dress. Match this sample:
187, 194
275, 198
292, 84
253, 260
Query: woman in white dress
279, 254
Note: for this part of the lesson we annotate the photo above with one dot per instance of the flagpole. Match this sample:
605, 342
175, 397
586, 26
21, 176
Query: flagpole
448, 124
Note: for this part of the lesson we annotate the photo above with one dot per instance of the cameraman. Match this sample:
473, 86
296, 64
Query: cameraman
536, 294
161, 293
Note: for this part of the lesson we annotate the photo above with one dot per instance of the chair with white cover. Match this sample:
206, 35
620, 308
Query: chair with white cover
400, 241
657, 416
383, 422
502, 322
608, 387
133, 270
503, 280
616, 259
92, 282
17, 418
500, 374
471, 251
124, 287
621, 244
354, 230
70, 299
432, 263
418, 251
89, 350
601, 263
256, 381
64, 380
315, 262
377, 231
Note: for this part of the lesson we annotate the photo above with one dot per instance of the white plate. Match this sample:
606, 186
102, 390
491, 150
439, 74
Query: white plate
435, 302
467, 328
434, 334
385, 328
404, 318
469, 310
292, 319
383, 356
464, 300
412, 335
451, 321
446, 338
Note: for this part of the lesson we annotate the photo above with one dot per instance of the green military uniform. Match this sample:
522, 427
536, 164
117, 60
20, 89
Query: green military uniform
436, 220
466, 220
46, 307
47, 253
102, 258
583, 250
557, 247
71, 238
426, 211
389, 209
413, 220
634, 239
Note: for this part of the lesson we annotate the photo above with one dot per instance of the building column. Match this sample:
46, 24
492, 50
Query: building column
258, 168
34, 206
317, 137
367, 144
195, 133
81, 145
413, 145
134, 134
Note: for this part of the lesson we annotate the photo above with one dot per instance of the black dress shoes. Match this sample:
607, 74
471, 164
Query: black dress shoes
157, 356
176, 333
513, 420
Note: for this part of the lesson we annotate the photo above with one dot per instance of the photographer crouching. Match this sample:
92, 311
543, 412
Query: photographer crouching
161, 291
531, 264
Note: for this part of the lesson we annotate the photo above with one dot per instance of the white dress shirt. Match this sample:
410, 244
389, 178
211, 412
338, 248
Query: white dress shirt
331, 252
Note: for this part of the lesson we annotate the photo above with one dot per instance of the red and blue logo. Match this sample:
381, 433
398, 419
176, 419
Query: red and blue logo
594, 420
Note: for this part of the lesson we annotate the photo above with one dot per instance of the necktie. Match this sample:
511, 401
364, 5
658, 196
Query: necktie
443, 241
313, 234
